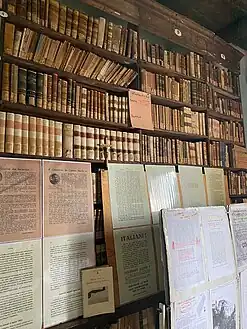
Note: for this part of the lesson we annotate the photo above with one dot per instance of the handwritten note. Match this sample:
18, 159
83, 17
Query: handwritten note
140, 109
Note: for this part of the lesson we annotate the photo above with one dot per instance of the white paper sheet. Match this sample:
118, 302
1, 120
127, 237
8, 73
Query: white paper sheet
129, 195
243, 292
192, 186
193, 313
163, 189
224, 307
238, 218
218, 242
184, 248
64, 257
135, 263
215, 184
20, 285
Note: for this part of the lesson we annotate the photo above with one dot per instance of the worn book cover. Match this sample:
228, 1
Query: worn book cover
97, 291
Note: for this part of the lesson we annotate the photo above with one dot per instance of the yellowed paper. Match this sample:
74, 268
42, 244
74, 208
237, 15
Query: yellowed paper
215, 184
20, 216
135, 263
68, 200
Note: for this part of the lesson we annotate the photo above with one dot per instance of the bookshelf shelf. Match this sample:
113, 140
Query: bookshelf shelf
239, 196
103, 320
225, 141
176, 134
60, 116
23, 23
63, 74
175, 104
217, 115
225, 93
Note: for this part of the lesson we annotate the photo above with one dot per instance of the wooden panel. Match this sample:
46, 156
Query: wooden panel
126, 10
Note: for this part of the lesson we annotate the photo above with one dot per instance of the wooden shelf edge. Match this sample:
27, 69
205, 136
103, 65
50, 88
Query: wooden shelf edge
217, 115
240, 196
21, 22
63, 74
213, 139
124, 310
61, 116
175, 104
175, 134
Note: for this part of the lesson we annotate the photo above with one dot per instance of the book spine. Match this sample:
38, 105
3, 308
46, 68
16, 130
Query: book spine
75, 23
96, 144
17, 133
136, 141
2, 130
14, 84
9, 138
113, 142
51, 138
5, 82
25, 133
45, 137
119, 146
58, 139
125, 147
101, 143
77, 141
68, 140
39, 136
54, 92
32, 136
107, 143
90, 143
40, 83
31, 87
83, 142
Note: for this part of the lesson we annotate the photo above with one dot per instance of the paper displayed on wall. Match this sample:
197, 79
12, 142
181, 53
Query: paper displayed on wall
238, 219
243, 292
192, 186
20, 200
215, 184
135, 263
140, 109
183, 238
224, 306
193, 312
218, 242
68, 200
163, 189
97, 291
64, 258
128, 195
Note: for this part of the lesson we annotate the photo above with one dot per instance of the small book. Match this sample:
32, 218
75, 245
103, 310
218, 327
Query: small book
97, 291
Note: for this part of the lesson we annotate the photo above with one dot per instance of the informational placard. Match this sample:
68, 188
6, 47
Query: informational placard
192, 186
64, 258
162, 189
224, 306
20, 244
128, 195
135, 263
140, 109
215, 184
238, 219
97, 291
218, 243
243, 294
68, 199
193, 312
20, 285
19, 199
184, 246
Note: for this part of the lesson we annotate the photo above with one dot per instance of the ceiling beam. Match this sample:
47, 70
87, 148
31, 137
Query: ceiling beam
235, 32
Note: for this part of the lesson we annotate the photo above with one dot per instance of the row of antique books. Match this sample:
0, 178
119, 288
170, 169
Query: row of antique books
97, 31
166, 150
190, 64
145, 319
237, 182
30, 45
227, 130
186, 91
227, 106
22, 134
181, 120
219, 154
167, 87
68, 96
